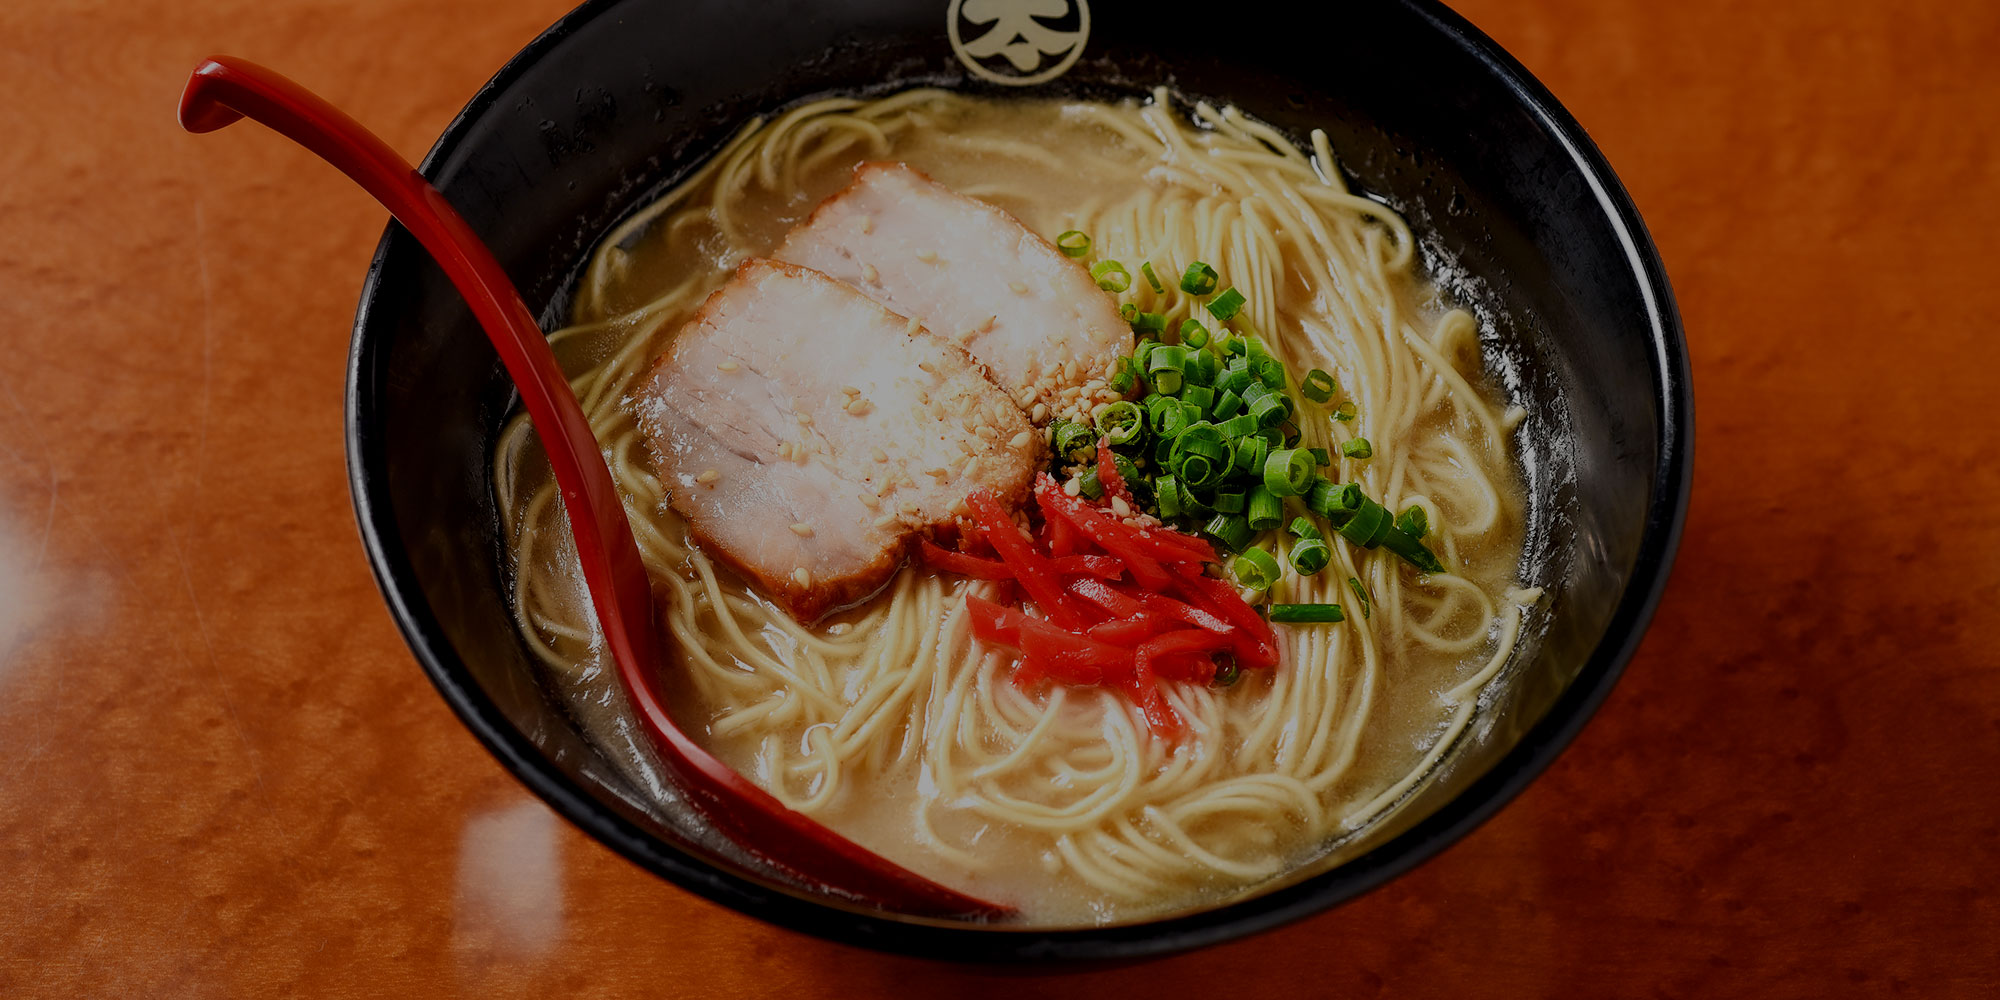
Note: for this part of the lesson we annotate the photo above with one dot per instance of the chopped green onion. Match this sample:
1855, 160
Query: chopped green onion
1200, 395
1198, 279
1227, 304
1414, 521
1255, 352
1304, 528
1089, 485
1321, 456
1163, 369
1357, 448
1148, 323
1110, 276
1193, 334
1228, 501
1198, 471
1163, 449
1227, 404
1255, 568
1288, 472
1337, 502
1126, 378
1200, 455
1191, 505
1266, 510
1413, 551
1271, 372
1237, 346
1227, 673
1146, 268
1310, 556
1269, 410
1361, 595
1240, 425
1368, 525
1121, 422
1307, 614
1167, 493
1250, 452
1073, 243
1345, 411
1071, 437
1231, 530
1192, 370
1144, 353
1238, 378
1318, 386
1128, 311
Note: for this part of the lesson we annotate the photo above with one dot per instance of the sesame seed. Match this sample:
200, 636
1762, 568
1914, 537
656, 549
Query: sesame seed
805, 420
802, 529
726, 366
885, 521
708, 477
1073, 486
940, 472
988, 325
908, 507
1018, 288
801, 577
926, 366
1118, 507
1020, 440
867, 224
860, 407
785, 450
869, 274
1039, 413
868, 500
958, 506
878, 454
848, 390
1026, 398
912, 329
927, 256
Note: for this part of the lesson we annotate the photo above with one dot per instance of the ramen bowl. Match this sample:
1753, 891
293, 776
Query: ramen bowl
1517, 214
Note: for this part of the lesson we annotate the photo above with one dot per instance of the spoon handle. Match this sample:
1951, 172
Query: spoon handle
223, 90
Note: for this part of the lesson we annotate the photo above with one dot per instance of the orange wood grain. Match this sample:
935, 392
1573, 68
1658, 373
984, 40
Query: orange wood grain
222, 774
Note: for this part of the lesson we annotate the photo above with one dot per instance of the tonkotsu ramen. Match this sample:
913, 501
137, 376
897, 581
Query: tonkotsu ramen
1089, 507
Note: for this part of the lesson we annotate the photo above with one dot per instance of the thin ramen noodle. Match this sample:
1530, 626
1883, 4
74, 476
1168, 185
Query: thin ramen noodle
889, 722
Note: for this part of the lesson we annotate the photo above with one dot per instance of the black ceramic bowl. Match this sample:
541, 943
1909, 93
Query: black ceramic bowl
1424, 112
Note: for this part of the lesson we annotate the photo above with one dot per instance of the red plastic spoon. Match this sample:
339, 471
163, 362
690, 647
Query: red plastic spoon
224, 89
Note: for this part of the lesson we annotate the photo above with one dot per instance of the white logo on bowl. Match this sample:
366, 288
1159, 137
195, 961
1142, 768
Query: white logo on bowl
1015, 36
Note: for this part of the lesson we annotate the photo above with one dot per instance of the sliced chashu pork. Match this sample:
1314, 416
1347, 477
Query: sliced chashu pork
806, 434
969, 272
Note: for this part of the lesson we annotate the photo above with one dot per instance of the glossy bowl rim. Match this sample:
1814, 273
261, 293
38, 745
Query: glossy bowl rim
1666, 515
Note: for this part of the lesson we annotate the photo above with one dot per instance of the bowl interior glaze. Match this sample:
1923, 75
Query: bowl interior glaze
1516, 211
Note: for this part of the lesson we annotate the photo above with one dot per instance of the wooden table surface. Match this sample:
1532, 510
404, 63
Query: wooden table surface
222, 773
